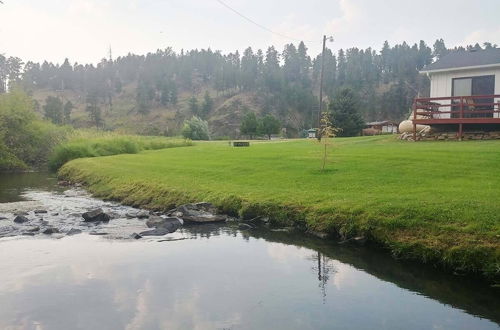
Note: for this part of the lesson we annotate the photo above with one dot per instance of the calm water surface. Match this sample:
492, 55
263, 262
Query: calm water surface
217, 277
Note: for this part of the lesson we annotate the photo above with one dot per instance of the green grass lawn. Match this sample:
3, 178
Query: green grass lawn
434, 201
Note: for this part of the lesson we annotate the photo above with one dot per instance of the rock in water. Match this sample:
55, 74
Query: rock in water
160, 231
50, 231
40, 211
95, 215
136, 236
200, 213
73, 231
21, 219
171, 223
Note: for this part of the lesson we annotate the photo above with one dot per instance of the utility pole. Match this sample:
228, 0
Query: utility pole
321, 81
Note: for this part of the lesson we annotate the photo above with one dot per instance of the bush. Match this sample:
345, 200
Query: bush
196, 129
94, 144
25, 140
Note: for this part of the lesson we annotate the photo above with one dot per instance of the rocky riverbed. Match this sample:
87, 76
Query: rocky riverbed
74, 211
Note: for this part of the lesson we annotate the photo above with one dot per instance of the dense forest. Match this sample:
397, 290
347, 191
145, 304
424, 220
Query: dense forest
284, 83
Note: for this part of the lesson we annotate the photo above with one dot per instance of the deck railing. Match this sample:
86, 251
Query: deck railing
475, 109
457, 107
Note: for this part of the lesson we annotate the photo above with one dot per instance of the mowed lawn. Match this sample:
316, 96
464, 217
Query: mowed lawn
436, 201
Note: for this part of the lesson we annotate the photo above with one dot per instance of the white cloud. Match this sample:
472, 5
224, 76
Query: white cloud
482, 35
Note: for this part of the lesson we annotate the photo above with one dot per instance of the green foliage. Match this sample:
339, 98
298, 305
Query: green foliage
269, 125
196, 129
54, 110
68, 108
397, 193
207, 105
345, 113
249, 125
94, 144
326, 132
25, 141
93, 109
193, 106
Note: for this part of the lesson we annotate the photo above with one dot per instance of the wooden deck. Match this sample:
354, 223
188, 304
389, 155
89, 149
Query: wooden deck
456, 110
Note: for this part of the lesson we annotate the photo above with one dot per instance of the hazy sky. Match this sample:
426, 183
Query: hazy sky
82, 30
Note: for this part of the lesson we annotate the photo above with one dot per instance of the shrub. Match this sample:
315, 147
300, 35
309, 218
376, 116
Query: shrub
196, 129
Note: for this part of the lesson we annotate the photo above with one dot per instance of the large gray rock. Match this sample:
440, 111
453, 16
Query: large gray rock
199, 213
21, 219
95, 215
170, 223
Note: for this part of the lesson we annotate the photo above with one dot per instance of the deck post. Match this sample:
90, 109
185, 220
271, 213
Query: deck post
414, 108
460, 131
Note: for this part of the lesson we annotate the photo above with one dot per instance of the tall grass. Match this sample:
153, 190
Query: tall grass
88, 143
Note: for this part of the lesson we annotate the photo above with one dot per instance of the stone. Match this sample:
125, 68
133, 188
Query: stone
40, 211
50, 231
73, 231
32, 229
21, 219
170, 223
97, 233
95, 215
142, 214
200, 213
160, 231
135, 236
28, 234
3, 218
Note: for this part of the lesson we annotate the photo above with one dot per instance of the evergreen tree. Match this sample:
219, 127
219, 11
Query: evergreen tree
68, 108
193, 106
207, 105
53, 109
345, 113
93, 109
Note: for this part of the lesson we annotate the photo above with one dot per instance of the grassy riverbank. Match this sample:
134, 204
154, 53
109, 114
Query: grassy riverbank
436, 202
92, 143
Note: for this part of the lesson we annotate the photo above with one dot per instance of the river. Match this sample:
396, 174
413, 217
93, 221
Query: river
214, 277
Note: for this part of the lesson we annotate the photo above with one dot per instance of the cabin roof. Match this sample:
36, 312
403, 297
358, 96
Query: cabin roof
463, 59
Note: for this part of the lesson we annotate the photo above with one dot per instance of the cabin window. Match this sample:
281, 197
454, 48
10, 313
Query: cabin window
483, 85
470, 86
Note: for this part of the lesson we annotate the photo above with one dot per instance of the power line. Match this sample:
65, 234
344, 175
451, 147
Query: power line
259, 25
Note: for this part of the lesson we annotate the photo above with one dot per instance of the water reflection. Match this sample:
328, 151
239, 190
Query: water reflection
220, 278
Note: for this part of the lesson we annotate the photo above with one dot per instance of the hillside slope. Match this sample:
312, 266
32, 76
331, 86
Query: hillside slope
122, 115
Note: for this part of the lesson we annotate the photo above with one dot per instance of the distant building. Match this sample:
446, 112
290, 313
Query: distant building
311, 133
464, 92
381, 127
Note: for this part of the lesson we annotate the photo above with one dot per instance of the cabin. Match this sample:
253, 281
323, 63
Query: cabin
381, 127
464, 93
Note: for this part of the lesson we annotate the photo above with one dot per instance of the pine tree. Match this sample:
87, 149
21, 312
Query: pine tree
53, 109
193, 106
68, 108
345, 113
207, 105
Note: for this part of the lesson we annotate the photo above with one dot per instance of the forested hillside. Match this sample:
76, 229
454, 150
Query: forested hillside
155, 93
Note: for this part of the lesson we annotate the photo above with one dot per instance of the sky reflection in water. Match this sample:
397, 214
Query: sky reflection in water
227, 281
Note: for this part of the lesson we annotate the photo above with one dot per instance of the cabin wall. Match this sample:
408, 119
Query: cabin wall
441, 84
